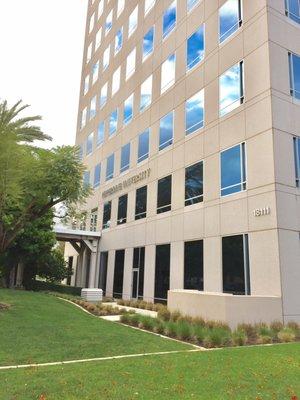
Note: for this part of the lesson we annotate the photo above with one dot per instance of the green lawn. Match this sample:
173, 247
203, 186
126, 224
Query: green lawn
42, 328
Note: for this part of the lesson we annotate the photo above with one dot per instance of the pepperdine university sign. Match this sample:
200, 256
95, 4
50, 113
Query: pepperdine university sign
127, 183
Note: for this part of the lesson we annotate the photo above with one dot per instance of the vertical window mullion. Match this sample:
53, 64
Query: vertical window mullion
246, 265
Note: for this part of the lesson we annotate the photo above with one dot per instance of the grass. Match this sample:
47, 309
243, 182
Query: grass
41, 328
257, 373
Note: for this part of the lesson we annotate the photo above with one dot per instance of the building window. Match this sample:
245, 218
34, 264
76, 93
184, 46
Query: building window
122, 209
106, 57
297, 159
138, 268
169, 19
148, 43
113, 122
149, 4
119, 274
143, 148
130, 64
231, 89
100, 133
103, 95
100, 8
195, 48
166, 131
194, 113
294, 62
193, 265
94, 220
191, 4
162, 272
125, 157
108, 22
292, 10
233, 170
164, 194
118, 41
92, 23
128, 110
106, 215
168, 70
116, 81
121, 5
97, 175
110, 166
146, 93
83, 118
86, 178
230, 19
194, 184
141, 203
95, 72
133, 21
93, 106
89, 144
86, 85
98, 39
89, 53
235, 255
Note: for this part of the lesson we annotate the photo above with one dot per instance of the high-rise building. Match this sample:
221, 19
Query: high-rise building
189, 126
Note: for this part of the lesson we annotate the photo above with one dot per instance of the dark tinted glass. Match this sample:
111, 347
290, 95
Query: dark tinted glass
193, 265
141, 203
119, 273
139, 263
194, 184
106, 215
122, 209
164, 194
162, 272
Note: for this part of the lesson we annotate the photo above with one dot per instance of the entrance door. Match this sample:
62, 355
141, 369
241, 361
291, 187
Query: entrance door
135, 284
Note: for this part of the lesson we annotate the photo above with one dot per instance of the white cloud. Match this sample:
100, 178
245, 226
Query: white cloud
41, 57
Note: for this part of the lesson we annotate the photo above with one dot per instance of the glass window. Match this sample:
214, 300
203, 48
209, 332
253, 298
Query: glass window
148, 43
103, 95
191, 4
130, 64
122, 210
83, 117
113, 122
93, 106
230, 19
98, 39
106, 57
169, 19
110, 166
193, 265
231, 89
95, 71
297, 159
119, 274
194, 184
168, 73
108, 22
106, 215
233, 170
125, 157
146, 93
292, 9
86, 85
89, 53
133, 21
100, 133
294, 61
138, 273
86, 178
166, 131
143, 149
195, 48
141, 203
93, 220
121, 5
235, 257
116, 81
118, 41
128, 110
149, 4
89, 143
164, 194
97, 175
194, 113
92, 23
162, 271
100, 8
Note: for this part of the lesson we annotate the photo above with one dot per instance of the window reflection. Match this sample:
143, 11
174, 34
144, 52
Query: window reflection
148, 43
294, 61
292, 9
194, 184
231, 89
230, 18
195, 48
169, 19
233, 170
128, 110
110, 167
166, 131
194, 113
146, 93
125, 157
168, 73
143, 149
113, 122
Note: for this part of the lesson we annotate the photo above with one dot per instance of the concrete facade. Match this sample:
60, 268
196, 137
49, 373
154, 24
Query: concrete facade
267, 122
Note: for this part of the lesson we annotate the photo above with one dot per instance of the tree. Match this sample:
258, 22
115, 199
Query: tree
33, 180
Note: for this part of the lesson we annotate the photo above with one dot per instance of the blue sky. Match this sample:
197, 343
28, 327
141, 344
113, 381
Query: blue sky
41, 57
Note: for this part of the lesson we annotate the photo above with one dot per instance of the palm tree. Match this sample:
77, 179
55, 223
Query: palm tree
21, 128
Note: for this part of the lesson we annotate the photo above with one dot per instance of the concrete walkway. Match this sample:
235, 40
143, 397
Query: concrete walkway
141, 311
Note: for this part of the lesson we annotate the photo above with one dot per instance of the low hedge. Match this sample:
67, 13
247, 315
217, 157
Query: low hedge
55, 287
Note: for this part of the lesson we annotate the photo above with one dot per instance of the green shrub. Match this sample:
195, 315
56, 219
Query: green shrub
217, 324
170, 329
164, 314
199, 321
276, 326
199, 333
149, 306
55, 287
264, 339
134, 319
125, 318
249, 330
184, 330
175, 315
147, 323
239, 338
159, 326
286, 335
217, 337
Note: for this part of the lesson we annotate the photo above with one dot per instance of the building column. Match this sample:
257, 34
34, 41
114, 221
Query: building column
127, 282
149, 275
93, 264
84, 266
177, 265
212, 274
110, 273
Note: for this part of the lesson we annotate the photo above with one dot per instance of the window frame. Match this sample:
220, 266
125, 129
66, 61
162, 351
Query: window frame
143, 214
160, 209
194, 62
296, 142
189, 131
293, 17
97, 183
241, 87
199, 197
293, 92
126, 166
171, 28
107, 223
127, 120
121, 220
164, 145
239, 23
145, 156
111, 175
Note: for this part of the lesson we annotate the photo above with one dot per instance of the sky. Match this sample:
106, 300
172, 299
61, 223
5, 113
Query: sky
41, 50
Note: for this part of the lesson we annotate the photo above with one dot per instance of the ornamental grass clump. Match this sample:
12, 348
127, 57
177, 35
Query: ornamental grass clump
199, 333
164, 314
147, 323
184, 330
217, 337
170, 329
175, 315
286, 335
249, 330
159, 327
239, 338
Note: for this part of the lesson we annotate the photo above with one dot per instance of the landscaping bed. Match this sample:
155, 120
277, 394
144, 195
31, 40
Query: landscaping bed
213, 334
4, 306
